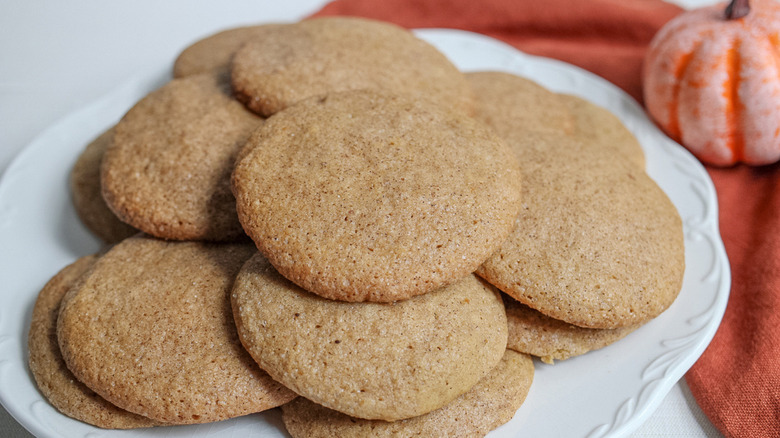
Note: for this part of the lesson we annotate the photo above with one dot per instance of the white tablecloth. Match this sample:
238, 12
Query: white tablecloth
57, 56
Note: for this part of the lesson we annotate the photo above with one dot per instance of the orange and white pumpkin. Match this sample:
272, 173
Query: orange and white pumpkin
712, 81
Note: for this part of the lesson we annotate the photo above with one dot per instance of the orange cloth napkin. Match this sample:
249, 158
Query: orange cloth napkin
737, 380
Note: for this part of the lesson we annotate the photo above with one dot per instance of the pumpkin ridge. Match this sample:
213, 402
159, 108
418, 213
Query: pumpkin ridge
735, 107
677, 28
683, 62
774, 43
761, 27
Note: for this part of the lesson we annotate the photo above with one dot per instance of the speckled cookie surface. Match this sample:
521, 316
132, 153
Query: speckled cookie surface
371, 197
324, 55
601, 128
509, 102
490, 403
597, 244
167, 172
215, 51
52, 376
151, 330
86, 193
386, 361
550, 339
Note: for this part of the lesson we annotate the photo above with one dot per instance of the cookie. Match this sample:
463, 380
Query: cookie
319, 56
490, 403
385, 361
167, 172
214, 52
597, 244
514, 105
151, 330
550, 339
364, 196
597, 126
52, 376
86, 193
508, 103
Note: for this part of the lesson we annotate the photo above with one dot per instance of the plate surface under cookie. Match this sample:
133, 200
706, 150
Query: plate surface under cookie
608, 392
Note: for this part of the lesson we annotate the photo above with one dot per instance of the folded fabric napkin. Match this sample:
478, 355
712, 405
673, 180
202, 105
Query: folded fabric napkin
737, 379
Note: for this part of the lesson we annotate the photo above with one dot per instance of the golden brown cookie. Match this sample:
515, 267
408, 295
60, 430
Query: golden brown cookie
363, 196
386, 361
550, 339
52, 376
597, 244
86, 193
215, 51
151, 330
323, 55
597, 126
490, 403
167, 172
512, 104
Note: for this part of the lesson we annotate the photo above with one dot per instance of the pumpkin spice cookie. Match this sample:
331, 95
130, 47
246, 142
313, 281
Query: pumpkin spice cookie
386, 361
323, 55
533, 333
150, 329
364, 196
52, 376
86, 193
167, 172
511, 104
514, 105
214, 52
490, 403
597, 244
599, 127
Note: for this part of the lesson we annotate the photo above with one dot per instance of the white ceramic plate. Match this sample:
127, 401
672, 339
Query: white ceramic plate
608, 392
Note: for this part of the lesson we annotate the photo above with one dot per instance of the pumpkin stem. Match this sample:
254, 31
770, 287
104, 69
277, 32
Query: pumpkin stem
737, 9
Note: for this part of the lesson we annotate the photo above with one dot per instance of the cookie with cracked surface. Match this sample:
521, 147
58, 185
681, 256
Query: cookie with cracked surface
315, 57
150, 328
167, 172
365, 196
86, 193
597, 244
215, 51
490, 403
51, 374
550, 339
385, 361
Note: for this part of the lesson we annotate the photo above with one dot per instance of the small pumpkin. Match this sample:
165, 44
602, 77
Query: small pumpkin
711, 81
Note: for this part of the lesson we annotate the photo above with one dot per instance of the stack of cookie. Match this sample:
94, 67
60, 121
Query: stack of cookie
329, 217
598, 248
